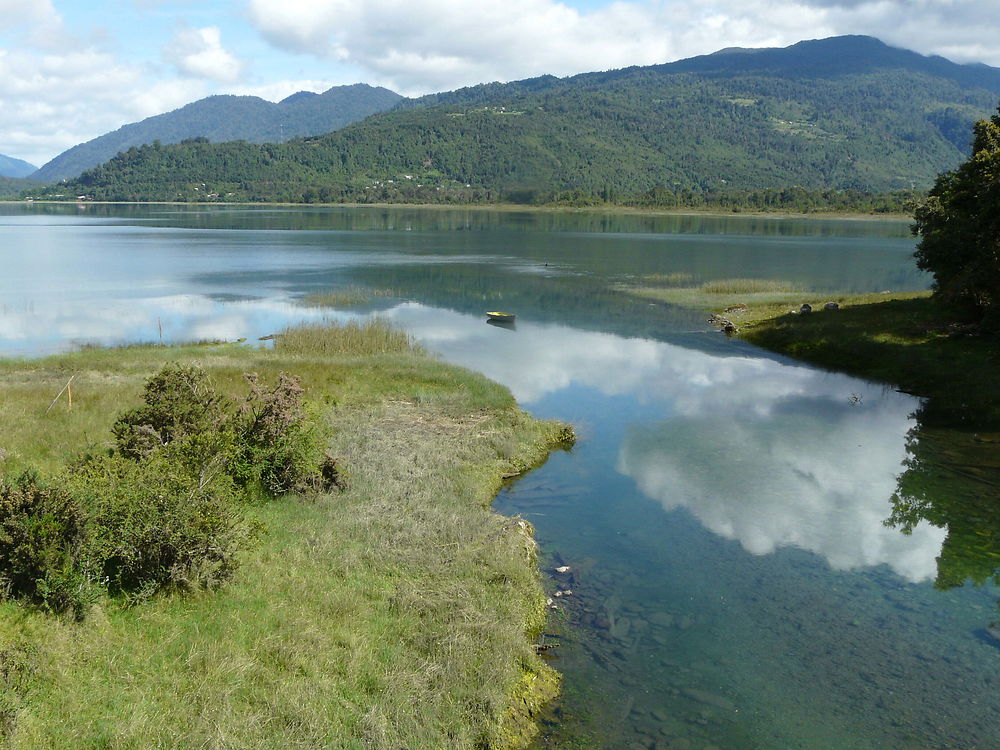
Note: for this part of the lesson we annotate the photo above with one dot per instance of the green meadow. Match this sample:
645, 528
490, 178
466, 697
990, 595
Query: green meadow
397, 611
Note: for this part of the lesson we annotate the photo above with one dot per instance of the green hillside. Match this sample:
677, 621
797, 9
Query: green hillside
228, 118
12, 187
848, 113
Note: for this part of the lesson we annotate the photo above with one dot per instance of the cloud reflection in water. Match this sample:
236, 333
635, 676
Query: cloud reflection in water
765, 453
769, 454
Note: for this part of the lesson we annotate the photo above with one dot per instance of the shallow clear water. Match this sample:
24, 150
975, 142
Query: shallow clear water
733, 582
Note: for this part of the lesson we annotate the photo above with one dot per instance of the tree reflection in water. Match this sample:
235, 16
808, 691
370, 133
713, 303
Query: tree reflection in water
952, 480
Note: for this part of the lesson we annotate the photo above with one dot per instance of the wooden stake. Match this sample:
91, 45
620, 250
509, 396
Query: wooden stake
64, 388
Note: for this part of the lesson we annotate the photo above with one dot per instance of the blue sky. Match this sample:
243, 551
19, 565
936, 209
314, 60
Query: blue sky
71, 70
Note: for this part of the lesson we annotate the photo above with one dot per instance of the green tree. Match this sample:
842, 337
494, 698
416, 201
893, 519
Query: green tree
959, 226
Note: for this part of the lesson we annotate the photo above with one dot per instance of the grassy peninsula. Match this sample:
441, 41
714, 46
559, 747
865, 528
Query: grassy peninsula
913, 341
398, 611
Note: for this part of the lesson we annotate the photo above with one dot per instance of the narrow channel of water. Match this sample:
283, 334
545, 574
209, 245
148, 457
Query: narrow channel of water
734, 582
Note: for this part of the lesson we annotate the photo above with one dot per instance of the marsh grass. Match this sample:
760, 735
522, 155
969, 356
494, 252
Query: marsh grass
675, 278
397, 613
353, 339
749, 286
350, 296
719, 294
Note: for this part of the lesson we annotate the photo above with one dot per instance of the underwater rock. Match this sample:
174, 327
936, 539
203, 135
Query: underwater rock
709, 699
663, 619
831, 306
805, 309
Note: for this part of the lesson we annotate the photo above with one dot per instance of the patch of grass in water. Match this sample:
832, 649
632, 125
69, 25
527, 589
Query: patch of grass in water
375, 336
351, 296
719, 294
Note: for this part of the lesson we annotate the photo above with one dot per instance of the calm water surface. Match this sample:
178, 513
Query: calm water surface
734, 582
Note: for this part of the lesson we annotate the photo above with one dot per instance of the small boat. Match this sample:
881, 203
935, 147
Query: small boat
500, 317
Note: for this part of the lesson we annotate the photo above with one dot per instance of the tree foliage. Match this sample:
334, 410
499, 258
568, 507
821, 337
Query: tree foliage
959, 225
674, 134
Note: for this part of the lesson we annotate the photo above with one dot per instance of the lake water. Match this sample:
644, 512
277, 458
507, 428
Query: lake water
734, 582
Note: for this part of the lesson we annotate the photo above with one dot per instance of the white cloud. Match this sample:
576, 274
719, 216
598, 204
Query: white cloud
418, 46
53, 101
38, 23
199, 53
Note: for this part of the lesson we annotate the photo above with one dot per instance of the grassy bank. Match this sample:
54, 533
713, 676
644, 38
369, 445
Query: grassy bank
398, 612
909, 340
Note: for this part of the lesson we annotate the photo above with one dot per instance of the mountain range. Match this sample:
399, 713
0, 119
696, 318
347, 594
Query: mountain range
845, 113
227, 118
11, 167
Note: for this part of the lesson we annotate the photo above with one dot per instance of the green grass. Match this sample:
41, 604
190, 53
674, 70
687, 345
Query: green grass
346, 297
749, 286
351, 339
397, 613
904, 339
676, 289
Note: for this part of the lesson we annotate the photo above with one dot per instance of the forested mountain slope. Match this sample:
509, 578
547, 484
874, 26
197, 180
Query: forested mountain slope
229, 118
842, 113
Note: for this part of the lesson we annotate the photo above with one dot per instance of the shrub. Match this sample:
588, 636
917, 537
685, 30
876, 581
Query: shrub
163, 509
277, 447
42, 529
153, 524
179, 401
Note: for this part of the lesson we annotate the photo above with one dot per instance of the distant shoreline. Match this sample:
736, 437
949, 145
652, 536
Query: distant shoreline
712, 212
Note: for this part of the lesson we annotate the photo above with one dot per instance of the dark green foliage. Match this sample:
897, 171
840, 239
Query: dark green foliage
153, 524
179, 402
42, 529
838, 117
164, 509
959, 226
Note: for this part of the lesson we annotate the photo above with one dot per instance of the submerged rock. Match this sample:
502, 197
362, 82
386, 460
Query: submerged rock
709, 699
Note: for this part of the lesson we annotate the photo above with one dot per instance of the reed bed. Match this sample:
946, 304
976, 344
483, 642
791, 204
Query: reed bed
675, 278
350, 296
353, 339
749, 286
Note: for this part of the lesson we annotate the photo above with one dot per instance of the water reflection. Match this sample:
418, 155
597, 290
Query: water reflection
734, 583
59, 326
790, 478
768, 454
952, 480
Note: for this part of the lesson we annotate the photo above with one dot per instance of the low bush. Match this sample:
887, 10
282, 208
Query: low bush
164, 508
42, 529
153, 524
277, 446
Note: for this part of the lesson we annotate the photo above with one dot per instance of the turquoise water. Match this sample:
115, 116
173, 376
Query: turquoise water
734, 583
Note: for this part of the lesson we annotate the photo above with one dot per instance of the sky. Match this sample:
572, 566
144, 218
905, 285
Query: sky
71, 70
